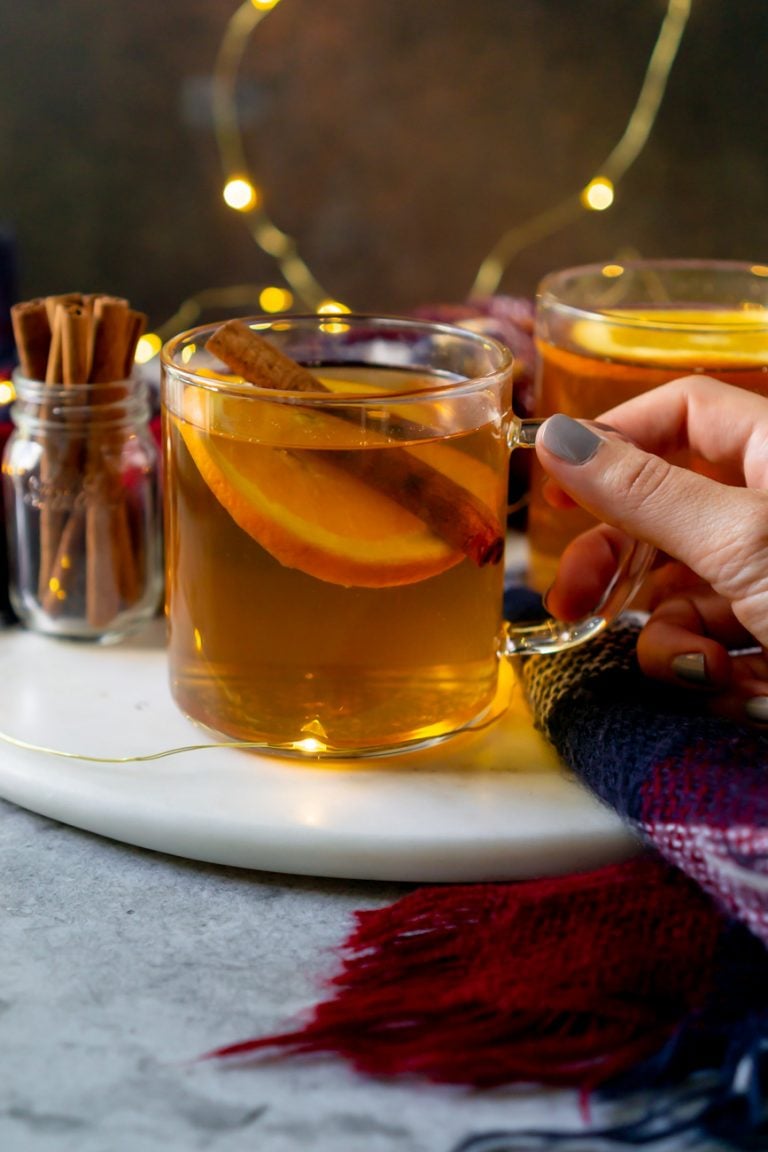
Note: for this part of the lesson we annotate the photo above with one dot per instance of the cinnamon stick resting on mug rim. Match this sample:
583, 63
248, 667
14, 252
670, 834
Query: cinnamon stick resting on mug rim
451, 511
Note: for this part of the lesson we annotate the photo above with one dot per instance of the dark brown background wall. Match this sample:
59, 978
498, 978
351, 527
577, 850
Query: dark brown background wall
395, 139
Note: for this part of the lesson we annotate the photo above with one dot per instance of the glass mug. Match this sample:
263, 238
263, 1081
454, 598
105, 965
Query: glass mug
335, 557
607, 332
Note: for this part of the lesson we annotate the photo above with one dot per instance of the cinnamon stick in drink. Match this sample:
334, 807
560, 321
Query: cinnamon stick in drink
451, 511
260, 362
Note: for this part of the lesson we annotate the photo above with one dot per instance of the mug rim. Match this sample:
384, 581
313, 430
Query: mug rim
381, 321
548, 297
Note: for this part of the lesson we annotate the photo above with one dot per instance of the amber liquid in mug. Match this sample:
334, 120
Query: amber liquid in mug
605, 366
308, 610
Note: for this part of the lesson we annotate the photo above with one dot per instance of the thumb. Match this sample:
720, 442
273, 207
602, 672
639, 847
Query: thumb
717, 530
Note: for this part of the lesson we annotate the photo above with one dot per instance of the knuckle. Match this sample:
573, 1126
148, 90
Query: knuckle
730, 561
740, 557
751, 529
646, 478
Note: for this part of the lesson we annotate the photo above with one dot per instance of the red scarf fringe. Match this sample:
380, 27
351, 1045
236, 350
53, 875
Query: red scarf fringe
564, 981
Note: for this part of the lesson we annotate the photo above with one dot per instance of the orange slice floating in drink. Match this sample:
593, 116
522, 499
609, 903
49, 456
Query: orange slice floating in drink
313, 515
716, 336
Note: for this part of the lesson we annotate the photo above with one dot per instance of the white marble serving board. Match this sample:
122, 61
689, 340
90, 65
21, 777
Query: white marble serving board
492, 805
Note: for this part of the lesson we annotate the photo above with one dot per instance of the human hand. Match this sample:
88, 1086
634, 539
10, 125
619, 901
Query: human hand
715, 599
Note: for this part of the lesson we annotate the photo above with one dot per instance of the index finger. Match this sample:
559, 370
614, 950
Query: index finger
718, 422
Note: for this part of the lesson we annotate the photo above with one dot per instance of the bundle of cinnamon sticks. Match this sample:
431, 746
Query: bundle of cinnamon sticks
87, 565
76, 338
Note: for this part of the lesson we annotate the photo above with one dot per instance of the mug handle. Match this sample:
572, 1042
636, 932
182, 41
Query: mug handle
557, 635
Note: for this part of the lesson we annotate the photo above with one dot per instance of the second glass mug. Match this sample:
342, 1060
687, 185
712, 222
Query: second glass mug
335, 567
607, 332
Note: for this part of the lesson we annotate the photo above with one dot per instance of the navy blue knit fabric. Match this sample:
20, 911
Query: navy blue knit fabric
695, 787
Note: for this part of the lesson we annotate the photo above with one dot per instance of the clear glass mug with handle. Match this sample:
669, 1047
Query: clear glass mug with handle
608, 332
335, 532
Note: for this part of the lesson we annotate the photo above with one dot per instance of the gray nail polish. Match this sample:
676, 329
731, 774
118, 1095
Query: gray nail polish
757, 709
569, 439
690, 666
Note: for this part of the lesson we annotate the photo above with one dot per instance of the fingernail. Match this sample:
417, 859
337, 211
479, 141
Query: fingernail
757, 709
691, 666
569, 439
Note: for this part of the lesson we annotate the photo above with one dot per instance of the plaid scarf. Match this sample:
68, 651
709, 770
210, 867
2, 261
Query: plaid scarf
695, 788
651, 974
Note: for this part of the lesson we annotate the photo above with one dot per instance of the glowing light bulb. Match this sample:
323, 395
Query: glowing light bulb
309, 744
148, 346
55, 588
598, 194
331, 308
273, 299
240, 194
7, 392
265, 5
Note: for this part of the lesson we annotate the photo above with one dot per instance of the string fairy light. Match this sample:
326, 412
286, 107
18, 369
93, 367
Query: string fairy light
308, 746
271, 239
243, 194
599, 192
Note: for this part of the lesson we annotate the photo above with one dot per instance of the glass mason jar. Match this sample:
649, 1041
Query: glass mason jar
81, 492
